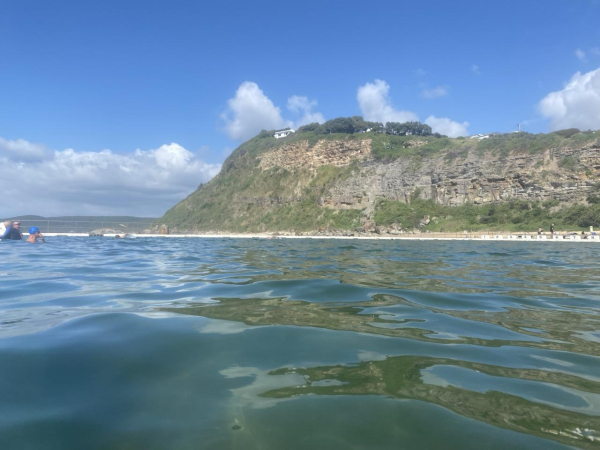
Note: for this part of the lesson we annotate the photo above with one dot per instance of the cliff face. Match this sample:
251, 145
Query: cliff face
476, 179
323, 153
267, 185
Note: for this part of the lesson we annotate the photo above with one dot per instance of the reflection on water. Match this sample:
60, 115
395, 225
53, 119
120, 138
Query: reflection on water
568, 415
397, 317
246, 343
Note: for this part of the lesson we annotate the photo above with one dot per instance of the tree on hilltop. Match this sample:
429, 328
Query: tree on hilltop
408, 128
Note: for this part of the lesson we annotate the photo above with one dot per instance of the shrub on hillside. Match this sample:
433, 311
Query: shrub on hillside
314, 126
408, 128
521, 142
339, 125
594, 196
356, 124
568, 163
266, 134
567, 133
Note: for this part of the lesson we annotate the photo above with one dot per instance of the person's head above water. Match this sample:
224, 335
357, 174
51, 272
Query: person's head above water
34, 230
7, 223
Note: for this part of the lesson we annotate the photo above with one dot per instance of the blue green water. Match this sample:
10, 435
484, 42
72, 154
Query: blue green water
296, 344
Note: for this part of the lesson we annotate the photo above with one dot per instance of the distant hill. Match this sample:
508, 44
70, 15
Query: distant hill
86, 218
86, 224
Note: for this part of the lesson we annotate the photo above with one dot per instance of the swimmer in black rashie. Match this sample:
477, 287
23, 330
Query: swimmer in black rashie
13, 233
552, 229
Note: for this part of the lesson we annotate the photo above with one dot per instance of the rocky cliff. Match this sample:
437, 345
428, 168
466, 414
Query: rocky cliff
474, 178
339, 180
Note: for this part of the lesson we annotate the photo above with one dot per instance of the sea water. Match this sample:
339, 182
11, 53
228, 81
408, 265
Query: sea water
298, 344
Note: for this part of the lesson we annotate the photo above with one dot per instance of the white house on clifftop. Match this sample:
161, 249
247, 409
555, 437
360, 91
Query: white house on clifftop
283, 133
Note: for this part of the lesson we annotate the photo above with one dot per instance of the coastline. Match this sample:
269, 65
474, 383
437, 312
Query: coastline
511, 237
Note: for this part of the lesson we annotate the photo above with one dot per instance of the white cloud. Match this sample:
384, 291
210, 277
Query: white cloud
22, 150
142, 183
251, 111
439, 91
297, 103
377, 107
580, 55
475, 69
450, 128
304, 106
575, 106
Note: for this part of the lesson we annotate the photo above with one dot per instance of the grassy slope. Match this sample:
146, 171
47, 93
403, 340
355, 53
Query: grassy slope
228, 202
509, 216
231, 201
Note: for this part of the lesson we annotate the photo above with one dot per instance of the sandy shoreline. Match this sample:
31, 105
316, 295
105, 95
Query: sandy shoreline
514, 237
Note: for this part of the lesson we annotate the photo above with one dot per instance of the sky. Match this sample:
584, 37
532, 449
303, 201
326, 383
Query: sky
112, 107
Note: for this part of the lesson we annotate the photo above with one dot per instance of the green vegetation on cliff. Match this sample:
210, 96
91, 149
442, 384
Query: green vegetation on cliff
514, 215
245, 198
390, 145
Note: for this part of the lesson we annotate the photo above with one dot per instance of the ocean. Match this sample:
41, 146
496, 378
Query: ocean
298, 344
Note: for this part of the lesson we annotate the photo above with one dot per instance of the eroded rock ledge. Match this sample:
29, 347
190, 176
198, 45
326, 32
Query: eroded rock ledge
323, 153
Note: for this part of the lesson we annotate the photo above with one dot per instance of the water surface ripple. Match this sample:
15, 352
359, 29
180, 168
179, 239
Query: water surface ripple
268, 344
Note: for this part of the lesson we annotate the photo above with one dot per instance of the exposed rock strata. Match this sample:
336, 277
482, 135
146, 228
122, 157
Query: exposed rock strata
475, 179
323, 153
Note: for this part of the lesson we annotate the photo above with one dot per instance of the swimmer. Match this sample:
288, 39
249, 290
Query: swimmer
35, 235
5, 226
13, 232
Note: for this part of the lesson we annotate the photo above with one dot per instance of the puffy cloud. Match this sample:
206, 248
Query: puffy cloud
297, 103
450, 128
580, 55
304, 106
475, 69
251, 111
22, 150
439, 91
143, 183
575, 106
376, 106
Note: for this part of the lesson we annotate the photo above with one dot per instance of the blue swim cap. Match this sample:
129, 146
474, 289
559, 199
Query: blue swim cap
33, 230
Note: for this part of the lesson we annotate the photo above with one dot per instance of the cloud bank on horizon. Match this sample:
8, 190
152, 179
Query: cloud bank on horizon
40, 181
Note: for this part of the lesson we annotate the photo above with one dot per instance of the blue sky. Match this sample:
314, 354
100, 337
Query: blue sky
97, 76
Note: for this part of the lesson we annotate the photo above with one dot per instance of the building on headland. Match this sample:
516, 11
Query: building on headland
283, 133
485, 136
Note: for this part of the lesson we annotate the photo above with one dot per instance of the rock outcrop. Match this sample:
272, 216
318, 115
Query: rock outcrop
323, 153
474, 179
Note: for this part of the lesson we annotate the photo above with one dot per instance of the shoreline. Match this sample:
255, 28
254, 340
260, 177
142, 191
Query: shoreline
511, 237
